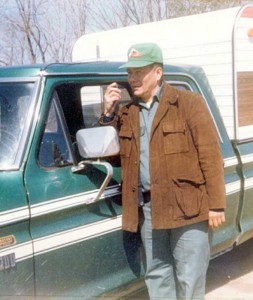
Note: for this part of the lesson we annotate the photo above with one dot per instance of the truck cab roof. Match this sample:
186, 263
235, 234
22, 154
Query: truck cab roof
99, 67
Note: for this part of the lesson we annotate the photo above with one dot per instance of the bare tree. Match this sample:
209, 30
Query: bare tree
30, 13
188, 7
23, 25
40, 30
111, 14
142, 11
77, 16
67, 21
34, 31
107, 15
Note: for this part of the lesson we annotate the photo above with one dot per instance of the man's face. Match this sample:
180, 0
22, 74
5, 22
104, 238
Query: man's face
145, 81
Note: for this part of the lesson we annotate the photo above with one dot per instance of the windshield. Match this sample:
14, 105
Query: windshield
15, 102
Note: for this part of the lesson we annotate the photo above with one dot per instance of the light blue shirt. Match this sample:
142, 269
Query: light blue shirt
147, 115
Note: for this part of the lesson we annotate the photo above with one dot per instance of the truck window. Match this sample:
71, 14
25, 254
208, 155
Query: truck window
73, 107
54, 150
15, 104
92, 103
83, 105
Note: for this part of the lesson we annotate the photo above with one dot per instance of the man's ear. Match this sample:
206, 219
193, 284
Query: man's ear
159, 73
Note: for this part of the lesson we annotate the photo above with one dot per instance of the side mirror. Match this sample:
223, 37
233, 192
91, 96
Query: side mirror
98, 142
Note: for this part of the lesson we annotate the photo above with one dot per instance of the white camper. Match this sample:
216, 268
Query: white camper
220, 41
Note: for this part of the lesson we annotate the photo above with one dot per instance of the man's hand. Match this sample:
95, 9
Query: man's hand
111, 98
216, 218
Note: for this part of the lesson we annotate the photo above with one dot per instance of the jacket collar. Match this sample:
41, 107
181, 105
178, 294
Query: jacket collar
169, 94
169, 97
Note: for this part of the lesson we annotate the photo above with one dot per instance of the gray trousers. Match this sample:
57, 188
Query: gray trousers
176, 259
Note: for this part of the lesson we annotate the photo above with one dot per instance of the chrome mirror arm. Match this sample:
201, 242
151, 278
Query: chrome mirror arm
109, 168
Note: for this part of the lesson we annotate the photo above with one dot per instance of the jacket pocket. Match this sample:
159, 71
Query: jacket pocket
175, 138
125, 137
189, 198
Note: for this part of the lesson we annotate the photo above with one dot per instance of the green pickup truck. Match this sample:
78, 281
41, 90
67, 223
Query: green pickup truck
60, 199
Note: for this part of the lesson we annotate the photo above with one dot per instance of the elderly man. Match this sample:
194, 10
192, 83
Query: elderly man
172, 175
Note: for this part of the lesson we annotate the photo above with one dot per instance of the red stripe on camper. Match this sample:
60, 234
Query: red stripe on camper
247, 12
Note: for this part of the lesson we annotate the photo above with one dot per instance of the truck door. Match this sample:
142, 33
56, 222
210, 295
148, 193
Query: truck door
245, 217
78, 244
16, 251
17, 101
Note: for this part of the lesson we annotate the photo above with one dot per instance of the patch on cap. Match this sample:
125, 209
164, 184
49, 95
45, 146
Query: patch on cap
133, 53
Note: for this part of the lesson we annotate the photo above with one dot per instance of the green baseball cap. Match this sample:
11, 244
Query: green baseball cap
141, 55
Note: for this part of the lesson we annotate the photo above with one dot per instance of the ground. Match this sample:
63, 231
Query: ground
230, 276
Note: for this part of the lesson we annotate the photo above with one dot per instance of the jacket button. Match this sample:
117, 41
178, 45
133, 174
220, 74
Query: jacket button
133, 189
135, 162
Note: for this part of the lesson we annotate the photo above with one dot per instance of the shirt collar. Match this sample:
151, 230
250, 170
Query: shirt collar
156, 97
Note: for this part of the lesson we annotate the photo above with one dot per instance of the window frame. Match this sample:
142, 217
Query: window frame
25, 136
54, 100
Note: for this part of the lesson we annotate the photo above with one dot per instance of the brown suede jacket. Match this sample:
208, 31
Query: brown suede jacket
186, 165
